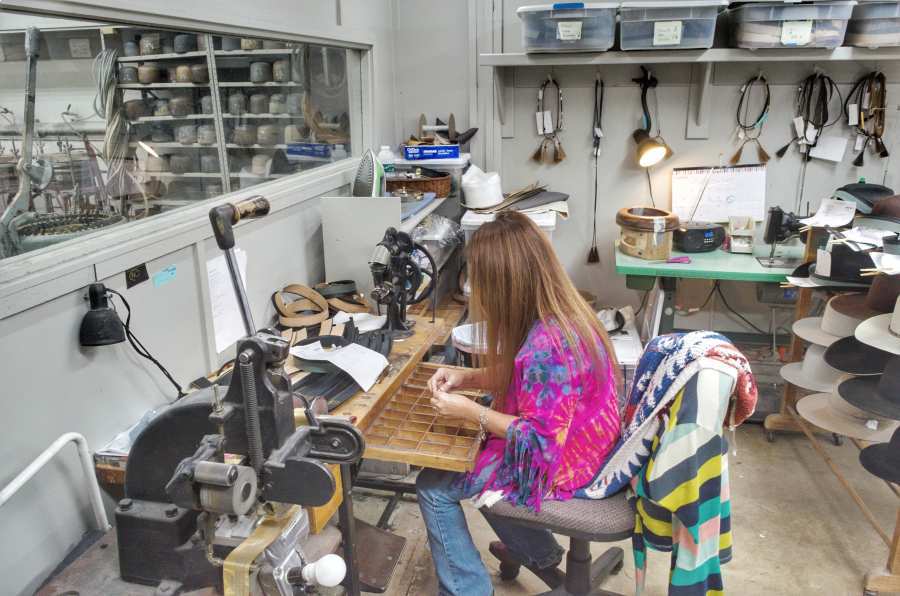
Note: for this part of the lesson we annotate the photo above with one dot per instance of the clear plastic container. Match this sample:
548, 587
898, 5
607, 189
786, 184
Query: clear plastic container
874, 25
568, 26
677, 24
784, 25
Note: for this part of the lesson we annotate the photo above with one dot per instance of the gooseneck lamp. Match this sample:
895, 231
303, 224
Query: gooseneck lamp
650, 150
101, 326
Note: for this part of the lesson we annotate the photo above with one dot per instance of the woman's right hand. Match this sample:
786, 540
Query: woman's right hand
446, 380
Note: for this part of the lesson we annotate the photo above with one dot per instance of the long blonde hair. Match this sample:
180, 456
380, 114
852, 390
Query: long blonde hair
516, 280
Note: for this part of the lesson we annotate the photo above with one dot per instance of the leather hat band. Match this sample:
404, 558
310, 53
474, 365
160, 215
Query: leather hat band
346, 304
333, 289
311, 309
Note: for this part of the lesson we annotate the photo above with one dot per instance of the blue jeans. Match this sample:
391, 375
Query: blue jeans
459, 568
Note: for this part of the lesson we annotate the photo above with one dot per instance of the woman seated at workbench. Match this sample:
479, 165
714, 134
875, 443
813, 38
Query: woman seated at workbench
554, 416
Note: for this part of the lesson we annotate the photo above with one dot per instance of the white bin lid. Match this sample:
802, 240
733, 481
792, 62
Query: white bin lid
672, 3
472, 220
567, 6
798, 2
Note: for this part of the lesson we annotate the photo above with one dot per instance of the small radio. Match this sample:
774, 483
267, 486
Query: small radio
699, 237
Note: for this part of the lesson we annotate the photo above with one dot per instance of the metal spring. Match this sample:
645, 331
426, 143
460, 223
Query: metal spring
251, 412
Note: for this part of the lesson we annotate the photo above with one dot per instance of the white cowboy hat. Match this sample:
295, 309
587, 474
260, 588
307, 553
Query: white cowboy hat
830, 412
812, 373
841, 317
882, 332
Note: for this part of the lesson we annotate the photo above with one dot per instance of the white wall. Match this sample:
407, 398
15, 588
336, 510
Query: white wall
51, 385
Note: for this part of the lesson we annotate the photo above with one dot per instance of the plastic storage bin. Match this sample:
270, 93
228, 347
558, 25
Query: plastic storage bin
677, 24
875, 24
471, 221
568, 26
781, 25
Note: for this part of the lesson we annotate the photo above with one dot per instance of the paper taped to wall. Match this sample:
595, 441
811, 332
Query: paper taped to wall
226, 314
721, 192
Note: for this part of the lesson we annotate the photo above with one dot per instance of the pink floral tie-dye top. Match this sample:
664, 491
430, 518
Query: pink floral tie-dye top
567, 421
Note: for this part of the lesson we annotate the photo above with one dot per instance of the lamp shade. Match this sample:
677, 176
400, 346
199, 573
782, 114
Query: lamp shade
101, 326
650, 151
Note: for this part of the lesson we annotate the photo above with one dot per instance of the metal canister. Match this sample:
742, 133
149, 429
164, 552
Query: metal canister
237, 103
269, 134
244, 134
260, 72
206, 104
185, 42
248, 43
292, 134
161, 107
128, 73
277, 103
135, 108
281, 70
183, 74
181, 163
181, 105
295, 103
186, 134
259, 103
209, 163
149, 72
206, 134
150, 44
131, 48
200, 73
230, 44
260, 164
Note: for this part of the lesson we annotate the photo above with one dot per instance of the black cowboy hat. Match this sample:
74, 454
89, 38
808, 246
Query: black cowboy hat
845, 266
883, 460
851, 356
878, 395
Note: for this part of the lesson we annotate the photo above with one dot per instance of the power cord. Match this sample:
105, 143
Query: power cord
650, 185
139, 347
718, 289
643, 304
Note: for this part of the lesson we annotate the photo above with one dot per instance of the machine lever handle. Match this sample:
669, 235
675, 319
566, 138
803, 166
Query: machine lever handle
225, 216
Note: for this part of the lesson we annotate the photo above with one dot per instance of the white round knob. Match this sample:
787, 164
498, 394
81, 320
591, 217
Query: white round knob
328, 571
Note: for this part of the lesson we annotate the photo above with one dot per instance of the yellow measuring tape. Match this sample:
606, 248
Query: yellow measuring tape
239, 564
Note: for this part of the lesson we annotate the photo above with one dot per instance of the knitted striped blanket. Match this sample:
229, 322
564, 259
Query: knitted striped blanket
667, 364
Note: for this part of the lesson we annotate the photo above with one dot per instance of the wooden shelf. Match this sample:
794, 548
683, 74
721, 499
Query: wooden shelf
172, 118
264, 116
162, 85
843, 54
155, 57
269, 84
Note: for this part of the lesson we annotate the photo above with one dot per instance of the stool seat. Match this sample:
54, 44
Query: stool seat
594, 520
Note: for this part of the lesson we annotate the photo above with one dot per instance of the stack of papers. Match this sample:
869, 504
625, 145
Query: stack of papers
363, 364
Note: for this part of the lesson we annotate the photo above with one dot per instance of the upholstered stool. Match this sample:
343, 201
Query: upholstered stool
583, 521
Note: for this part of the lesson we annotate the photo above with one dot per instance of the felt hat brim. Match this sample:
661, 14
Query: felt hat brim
817, 410
882, 461
851, 356
875, 332
862, 392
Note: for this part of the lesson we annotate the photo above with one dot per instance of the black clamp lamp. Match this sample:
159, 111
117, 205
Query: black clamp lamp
650, 150
101, 326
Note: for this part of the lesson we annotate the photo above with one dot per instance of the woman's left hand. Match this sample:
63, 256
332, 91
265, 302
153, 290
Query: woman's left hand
453, 405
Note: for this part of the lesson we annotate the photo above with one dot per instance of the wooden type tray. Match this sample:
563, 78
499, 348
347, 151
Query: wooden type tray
409, 430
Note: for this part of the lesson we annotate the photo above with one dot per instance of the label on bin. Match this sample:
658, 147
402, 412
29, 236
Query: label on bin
667, 33
568, 30
796, 33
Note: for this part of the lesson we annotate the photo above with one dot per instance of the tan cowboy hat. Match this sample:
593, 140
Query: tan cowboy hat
842, 315
812, 373
830, 412
883, 331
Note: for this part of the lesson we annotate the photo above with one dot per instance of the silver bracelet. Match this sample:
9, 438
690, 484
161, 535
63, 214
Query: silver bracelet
482, 421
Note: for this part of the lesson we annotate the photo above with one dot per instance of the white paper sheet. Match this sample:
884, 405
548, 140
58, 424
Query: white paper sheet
364, 321
802, 282
731, 191
830, 148
868, 237
833, 213
363, 364
887, 264
226, 314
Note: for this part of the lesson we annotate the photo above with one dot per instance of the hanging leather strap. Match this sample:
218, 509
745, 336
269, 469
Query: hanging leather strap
311, 309
869, 101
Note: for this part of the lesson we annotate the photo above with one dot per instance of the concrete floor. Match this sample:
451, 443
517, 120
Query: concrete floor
796, 531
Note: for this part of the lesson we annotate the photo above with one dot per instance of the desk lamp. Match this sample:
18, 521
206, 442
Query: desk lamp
650, 150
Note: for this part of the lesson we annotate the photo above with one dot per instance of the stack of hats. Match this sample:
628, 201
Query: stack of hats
863, 402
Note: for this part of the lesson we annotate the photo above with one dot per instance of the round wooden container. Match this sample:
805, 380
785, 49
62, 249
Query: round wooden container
295, 103
150, 44
156, 164
281, 70
181, 163
269, 134
161, 108
292, 134
244, 134
260, 72
209, 164
131, 48
135, 108
128, 74
181, 105
237, 103
184, 74
200, 73
185, 42
277, 103
251, 44
212, 189
186, 134
646, 232
269, 44
260, 164
206, 134
160, 133
206, 104
259, 103
149, 73
201, 41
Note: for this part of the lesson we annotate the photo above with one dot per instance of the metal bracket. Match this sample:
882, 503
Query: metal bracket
698, 102
505, 92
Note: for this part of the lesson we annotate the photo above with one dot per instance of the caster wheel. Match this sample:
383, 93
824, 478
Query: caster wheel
837, 439
509, 572
770, 436
615, 570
